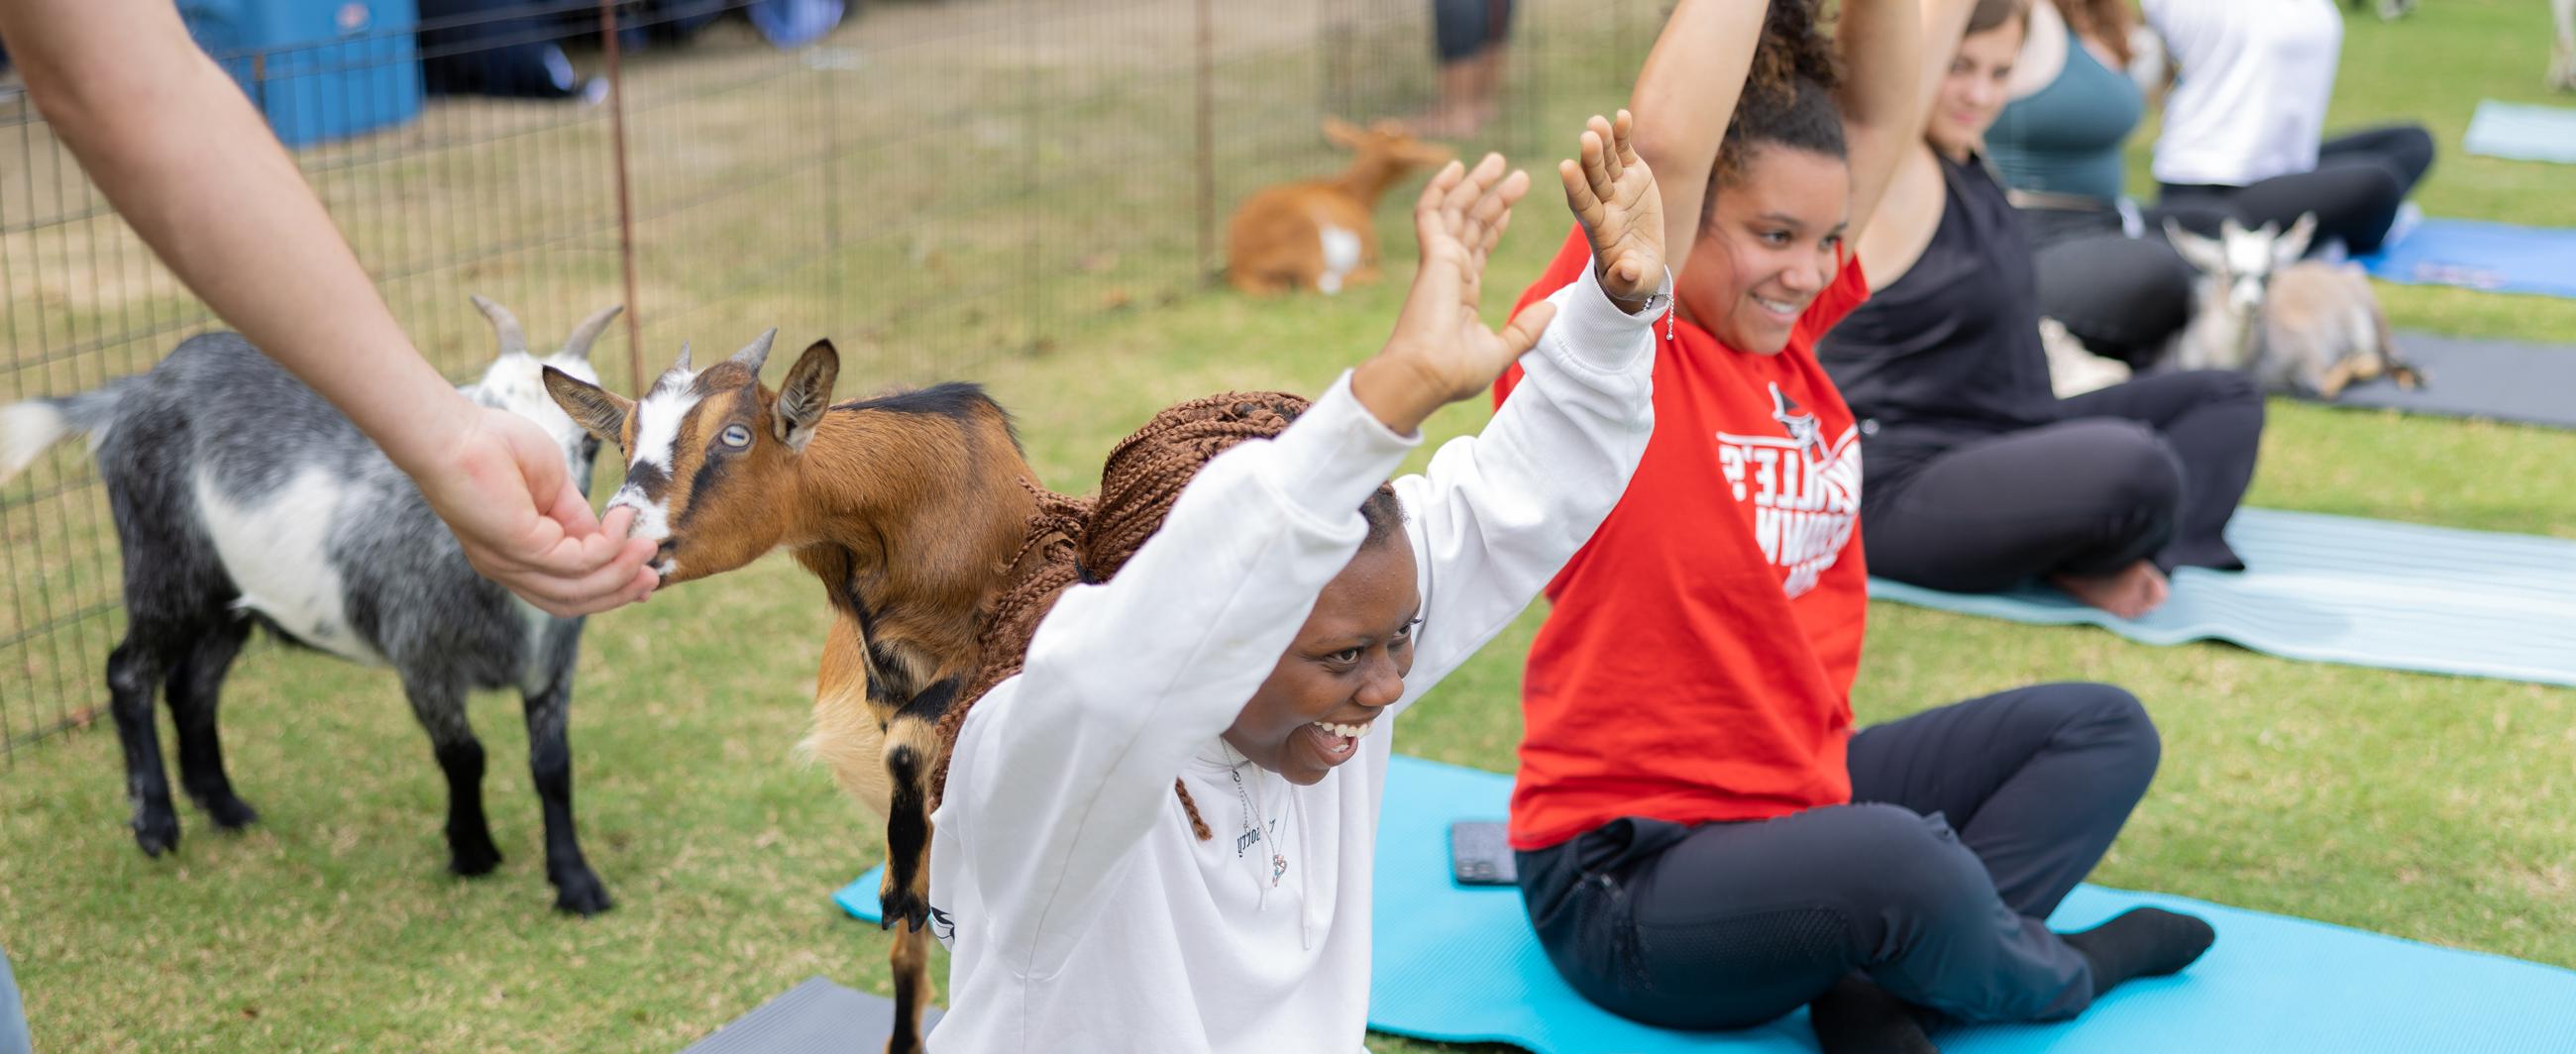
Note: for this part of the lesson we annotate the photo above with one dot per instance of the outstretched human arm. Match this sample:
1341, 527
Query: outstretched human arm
1497, 514
177, 148
1683, 100
1888, 85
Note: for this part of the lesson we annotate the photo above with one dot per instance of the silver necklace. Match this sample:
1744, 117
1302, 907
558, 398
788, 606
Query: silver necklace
1253, 822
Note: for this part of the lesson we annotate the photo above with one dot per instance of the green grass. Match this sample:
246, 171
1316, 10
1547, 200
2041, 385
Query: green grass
2434, 808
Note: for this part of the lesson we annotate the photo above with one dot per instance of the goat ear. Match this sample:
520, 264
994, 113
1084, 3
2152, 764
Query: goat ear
2294, 242
2202, 253
1343, 133
806, 394
597, 410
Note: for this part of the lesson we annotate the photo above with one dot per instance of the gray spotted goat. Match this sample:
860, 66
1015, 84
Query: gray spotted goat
242, 498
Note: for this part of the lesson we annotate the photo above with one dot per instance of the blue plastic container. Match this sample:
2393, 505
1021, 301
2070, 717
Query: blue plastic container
319, 69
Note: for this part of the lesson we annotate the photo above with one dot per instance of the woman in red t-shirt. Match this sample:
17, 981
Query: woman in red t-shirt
1704, 841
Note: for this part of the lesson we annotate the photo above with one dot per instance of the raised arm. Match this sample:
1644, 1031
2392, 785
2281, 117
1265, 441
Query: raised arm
1683, 100
1887, 87
1499, 513
179, 151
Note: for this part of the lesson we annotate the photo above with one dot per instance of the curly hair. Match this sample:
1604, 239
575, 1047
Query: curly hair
1072, 540
1788, 97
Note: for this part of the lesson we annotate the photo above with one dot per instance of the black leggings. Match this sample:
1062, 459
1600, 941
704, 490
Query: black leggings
1978, 818
2150, 469
2125, 298
2359, 181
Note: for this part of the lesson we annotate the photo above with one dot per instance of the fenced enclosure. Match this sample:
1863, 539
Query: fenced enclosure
942, 188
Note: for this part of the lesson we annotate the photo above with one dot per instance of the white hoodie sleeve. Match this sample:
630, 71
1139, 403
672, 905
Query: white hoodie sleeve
1067, 764
1498, 514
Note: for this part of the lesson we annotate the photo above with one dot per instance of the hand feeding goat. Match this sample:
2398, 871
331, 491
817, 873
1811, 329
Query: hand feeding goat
1321, 234
242, 498
2308, 326
910, 508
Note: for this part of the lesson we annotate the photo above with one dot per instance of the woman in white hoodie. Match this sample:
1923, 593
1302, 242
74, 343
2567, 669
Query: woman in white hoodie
1224, 620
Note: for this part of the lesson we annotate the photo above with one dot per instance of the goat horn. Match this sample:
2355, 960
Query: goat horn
578, 345
756, 353
682, 365
514, 340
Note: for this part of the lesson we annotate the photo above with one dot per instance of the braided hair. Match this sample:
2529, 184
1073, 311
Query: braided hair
1072, 540
1788, 97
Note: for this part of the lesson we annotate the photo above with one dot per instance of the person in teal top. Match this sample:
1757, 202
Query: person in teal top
2066, 138
2105, 273
2104, 270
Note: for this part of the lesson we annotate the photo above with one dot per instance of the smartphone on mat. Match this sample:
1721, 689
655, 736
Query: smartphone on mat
1479, 855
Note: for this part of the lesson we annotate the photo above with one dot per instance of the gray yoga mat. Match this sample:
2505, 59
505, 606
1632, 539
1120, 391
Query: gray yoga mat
2502, 380
815, 1017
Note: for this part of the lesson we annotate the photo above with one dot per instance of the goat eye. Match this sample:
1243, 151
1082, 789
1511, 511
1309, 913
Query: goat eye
735, 436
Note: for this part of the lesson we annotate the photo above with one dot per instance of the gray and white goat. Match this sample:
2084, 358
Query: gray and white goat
242, 498
2298, 325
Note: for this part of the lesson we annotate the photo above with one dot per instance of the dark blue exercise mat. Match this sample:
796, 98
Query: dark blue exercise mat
2498, 257
2501, 380
2340, 589
1459, 963
816, 1017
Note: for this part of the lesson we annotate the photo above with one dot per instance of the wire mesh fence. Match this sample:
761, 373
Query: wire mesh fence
941, 187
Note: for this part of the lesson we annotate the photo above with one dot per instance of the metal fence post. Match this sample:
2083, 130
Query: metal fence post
625, 201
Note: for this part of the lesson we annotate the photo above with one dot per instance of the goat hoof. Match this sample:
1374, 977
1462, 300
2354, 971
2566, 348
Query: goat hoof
473, 861
156, 833
230, 813
582, 894
900, 905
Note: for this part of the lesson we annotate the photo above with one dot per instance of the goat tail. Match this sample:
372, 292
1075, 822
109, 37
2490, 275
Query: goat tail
28, 428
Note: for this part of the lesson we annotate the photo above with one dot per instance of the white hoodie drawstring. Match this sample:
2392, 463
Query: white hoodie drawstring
1305, 915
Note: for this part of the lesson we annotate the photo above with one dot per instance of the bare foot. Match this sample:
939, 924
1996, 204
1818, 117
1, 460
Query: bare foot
2130, 592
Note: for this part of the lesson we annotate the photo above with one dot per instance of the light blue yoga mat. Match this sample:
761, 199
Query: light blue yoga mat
2522, 132
1460, 964
2340, 589
2498, 257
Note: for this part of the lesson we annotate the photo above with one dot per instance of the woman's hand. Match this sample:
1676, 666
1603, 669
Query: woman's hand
501, 484
1613, 194
1442, 351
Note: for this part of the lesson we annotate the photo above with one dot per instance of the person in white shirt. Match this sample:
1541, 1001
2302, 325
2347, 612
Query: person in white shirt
1158, 821
2242, 125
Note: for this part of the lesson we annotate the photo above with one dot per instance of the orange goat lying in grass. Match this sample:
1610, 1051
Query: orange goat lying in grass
1321, 234
909, 508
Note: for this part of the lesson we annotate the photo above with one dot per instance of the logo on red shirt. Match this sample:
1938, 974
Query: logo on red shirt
1805, 492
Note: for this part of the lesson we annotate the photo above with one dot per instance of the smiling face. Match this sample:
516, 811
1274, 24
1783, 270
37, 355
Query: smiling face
710, 454
1973, 92
1771, 242
1346, 666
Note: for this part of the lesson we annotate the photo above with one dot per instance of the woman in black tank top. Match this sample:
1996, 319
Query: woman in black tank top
1976, 477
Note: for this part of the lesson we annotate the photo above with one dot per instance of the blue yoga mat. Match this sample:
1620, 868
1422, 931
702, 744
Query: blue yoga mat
2345, 590
1460, 964
2498, 257
2523, 132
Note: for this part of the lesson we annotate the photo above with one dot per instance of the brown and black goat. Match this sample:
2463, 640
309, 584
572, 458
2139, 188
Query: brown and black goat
908, 507
1321, 234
